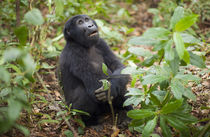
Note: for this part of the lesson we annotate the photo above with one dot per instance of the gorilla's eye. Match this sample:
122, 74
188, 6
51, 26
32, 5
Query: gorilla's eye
86, 19
80, 21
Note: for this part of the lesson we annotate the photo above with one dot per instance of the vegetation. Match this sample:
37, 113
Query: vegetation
160, 63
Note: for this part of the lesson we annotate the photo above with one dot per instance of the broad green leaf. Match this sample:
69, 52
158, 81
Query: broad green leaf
104, 68
14, 109
165, 129
157, 33
187, 38
155, 100
171, 107
140, 114
136, 122
68, 133
187, 77
197, 60
186, 57
174, 64
4, 92
22, 34
11, 54
135, 100
178, 124
29, 63
178, 14
34, 17
134, 92
189, 94
140, 51
59, 7
184, 117
177, 88
179, 44
4, 75
142, 41
132, 70
185, 22
150, 126
151, 79
169, 52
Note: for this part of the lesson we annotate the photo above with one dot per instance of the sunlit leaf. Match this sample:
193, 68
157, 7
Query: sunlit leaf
185, 23
140, 51
179, 44
178, 14
151, 79
187, 38
14, 109
186, 57
34, 17
4, 75
11, 54
157, 33
104, 68
59, 7
189, 94
169, 52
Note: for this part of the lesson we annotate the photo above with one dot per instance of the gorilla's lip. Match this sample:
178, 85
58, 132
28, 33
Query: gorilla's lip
93, 33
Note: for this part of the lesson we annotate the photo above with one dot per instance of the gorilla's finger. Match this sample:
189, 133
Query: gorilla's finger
101, 95
101, 89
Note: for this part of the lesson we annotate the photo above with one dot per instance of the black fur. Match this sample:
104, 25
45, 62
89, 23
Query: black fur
81, 69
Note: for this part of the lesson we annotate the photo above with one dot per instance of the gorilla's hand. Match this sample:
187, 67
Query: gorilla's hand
101, 94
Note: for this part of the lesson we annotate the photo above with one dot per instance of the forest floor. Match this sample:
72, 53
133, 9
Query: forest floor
143, 20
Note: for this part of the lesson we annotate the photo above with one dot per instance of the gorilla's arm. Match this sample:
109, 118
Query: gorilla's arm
118, 80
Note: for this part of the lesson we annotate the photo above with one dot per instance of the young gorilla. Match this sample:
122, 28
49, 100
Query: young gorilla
81, 70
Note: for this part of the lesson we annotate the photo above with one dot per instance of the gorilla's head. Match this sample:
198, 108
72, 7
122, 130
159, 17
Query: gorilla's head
81, 29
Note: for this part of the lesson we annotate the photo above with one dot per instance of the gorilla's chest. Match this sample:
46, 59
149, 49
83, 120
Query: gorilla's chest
95, 59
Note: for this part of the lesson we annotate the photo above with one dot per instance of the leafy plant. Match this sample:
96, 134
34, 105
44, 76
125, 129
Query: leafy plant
165, 89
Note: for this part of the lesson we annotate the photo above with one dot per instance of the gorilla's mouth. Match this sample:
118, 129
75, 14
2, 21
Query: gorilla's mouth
93, 33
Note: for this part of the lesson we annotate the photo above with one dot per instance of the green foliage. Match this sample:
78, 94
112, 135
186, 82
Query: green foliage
165, 87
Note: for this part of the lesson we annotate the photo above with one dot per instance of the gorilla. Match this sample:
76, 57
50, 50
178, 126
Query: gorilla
80, 67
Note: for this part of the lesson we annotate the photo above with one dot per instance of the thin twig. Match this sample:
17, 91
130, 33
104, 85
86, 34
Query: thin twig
56, 105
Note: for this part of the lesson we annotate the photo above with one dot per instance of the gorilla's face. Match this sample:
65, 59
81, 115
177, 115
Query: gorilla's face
81, 29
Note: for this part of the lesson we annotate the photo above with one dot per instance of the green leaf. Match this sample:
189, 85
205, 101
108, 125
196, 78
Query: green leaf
136, 122
187, 77
59, 7
150, 60
155, 100
14, 109
184, 117
104, 68
134, 92
189, 94
23, 129
135, 100
165, 129
157, 33
34, 17
186, 57
150, 126
4, 92
178, 124
68, 133
11, 54
178, 14
179, 44
185, 22
29, 63
106, 84
177, 88
197, 60
140, 51
169, 52
142, 41
151, 79
171, 106
4, 75
22, 34
187, 38
140, 114
174, 64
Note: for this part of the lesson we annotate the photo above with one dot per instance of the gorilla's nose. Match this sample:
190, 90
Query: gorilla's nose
90, 25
